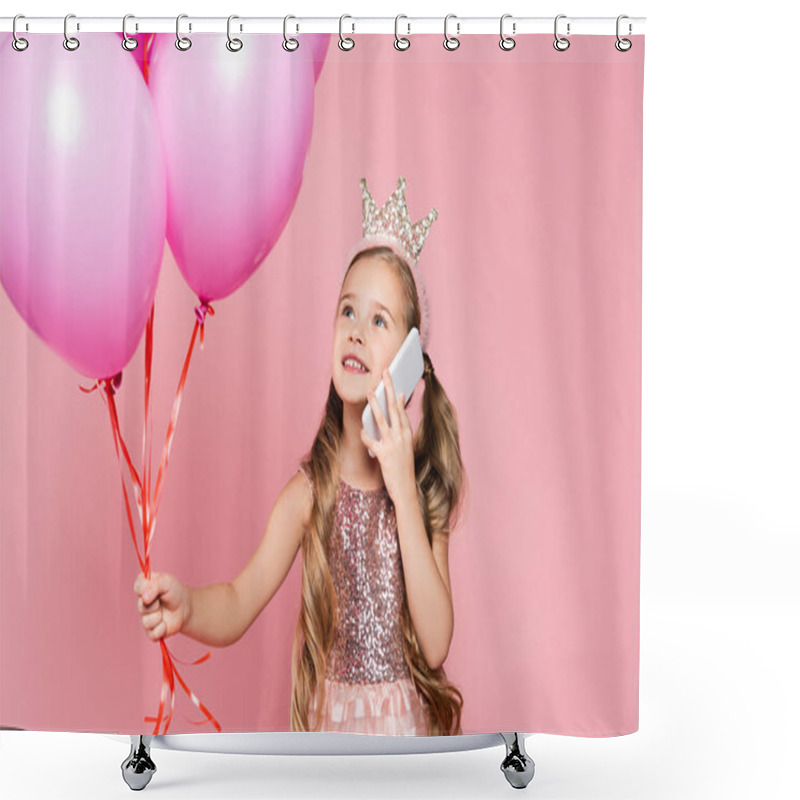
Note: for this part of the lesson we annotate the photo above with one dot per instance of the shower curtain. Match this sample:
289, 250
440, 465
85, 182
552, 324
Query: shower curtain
175, 230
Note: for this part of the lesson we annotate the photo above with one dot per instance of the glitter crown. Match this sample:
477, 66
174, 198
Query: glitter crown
392, 220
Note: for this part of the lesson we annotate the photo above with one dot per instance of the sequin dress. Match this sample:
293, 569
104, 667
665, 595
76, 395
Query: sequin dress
368, 686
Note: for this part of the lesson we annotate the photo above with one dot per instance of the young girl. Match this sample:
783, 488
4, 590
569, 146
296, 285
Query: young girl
377, 617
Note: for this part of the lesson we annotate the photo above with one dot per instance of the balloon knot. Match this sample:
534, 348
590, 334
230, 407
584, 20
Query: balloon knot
203, 309
112, 384
106, 383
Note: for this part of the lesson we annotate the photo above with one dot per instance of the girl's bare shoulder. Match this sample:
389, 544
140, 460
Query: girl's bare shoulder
299, 494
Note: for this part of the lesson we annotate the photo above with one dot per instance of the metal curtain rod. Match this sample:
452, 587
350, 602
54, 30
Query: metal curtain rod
407, 25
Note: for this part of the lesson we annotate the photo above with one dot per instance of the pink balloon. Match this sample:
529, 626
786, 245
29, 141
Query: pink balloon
83, 211
236, 128
318, 42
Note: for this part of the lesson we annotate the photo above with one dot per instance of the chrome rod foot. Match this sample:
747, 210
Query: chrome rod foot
138, 768
517, 766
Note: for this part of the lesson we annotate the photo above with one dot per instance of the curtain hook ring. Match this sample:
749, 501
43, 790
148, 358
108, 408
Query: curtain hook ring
182, 42
345, 42
400, 42
560, 42
18, 43
70, 42
128, 42
507, 42
290, 44
233, 45
451, 42
623, 45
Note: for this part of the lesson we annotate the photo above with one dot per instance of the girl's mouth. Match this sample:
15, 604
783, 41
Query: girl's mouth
353, 366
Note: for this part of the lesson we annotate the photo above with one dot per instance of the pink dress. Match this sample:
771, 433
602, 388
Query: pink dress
368, 686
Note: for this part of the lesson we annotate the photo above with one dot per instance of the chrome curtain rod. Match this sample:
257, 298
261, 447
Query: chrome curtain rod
349, 24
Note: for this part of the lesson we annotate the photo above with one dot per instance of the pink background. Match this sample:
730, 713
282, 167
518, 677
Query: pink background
533, 159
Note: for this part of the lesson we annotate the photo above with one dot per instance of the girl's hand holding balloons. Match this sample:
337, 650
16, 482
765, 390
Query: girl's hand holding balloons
395, 449
163, 602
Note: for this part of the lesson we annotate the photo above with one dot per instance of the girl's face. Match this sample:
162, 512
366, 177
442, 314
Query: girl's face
369, 328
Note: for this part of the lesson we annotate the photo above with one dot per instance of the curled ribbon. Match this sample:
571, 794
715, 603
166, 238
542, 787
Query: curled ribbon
141, 486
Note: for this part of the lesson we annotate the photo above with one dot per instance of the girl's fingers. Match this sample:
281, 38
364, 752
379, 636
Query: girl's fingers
155, 631
154, 606
160, 584
391, 401
401, 405
377, 412
150, 591
152, 617
144, 588
149, 621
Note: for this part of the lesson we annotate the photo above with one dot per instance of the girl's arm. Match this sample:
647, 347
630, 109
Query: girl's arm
427, 580
220, 614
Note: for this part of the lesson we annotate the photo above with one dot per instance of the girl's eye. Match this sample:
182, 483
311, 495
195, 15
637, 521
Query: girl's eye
377, 316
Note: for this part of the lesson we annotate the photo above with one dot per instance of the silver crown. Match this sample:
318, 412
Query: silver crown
392, 220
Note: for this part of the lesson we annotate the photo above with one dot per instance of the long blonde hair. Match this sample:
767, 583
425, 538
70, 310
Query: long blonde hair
439, 476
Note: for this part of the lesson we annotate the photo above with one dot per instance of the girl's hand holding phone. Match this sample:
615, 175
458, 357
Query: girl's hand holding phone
395, 449
163, 602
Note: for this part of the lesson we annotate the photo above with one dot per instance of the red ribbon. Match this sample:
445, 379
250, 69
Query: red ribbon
142, 488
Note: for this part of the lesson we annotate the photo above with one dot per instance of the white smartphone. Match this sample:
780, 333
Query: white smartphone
405, 370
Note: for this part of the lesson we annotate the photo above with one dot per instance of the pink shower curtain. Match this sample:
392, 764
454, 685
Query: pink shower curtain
221, 191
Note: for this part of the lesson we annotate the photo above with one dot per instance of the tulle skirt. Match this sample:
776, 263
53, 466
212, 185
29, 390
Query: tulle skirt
389, 708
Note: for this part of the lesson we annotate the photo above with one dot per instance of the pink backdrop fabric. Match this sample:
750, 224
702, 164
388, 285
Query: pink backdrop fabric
534, 161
